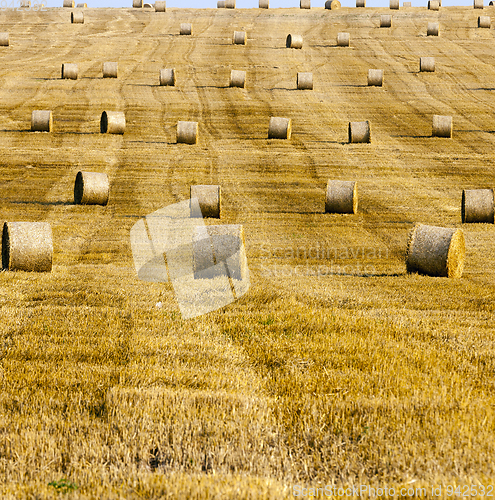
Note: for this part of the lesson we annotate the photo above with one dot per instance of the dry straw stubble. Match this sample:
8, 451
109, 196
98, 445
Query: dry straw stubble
41, 121
69, 71
112, 122
91, 188
187, 132
341, 197
279, 128
477, 205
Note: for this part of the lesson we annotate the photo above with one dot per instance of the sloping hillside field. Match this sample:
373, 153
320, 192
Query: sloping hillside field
336, 367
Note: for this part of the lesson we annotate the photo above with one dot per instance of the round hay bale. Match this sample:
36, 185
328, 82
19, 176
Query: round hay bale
432, 29
264, 4
341, 197
237, 78
305, 4
82, 5
69, 71
294, 41
25, 4
41, 121
230, 4
279, 128
69, 4
221, 4
484, 22
239, 38
436, 251
4, 39
406, 4
110, 69
478, 4
477, 206
112, 122
137, 4
160, 6
359, 132
332, 4
91, 188
385, 21
167, 77
209, 198
394, 4
187, 132
186, 29
442, 126
360, 3
147, 6
27, 246
491, 3
375, 77
343, 39
305, 81
77, 17
427, 64
433, 5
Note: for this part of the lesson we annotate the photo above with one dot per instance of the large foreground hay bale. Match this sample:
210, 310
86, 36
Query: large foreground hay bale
341, 197
230, 4
332, 4
264, 4
343, 39
4, 39
77, 17
41, 121
305, 81
69, 3
187, 132
478, 4
112, 122
436, 251
433, 5
110, 69
27, 246
209, 198
394, 4
91, 188
477, 205
427, 64
294, 41
137, 4
385, 21
360, 3
359, 132
237, 78
305, 4
484, 22
279, 128
160, 6
432, 29
69, 71
186, 29
167, 77
375, 77
442, 126
239, 38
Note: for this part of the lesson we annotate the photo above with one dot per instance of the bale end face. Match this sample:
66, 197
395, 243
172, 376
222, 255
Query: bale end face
279, 128
359, 132
477, 206
91, 188
341, 197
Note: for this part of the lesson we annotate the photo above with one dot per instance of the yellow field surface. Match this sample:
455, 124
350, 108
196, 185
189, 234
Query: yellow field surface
336, 367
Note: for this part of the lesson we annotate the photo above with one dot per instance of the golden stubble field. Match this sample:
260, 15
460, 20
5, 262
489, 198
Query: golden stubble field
321, 374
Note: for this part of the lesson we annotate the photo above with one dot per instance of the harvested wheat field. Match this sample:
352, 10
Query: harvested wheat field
336, 367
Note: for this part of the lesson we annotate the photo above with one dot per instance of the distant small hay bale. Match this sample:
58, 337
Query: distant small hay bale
427, 64
41, 121
477, 205
27, 246
186, 29
160, 6
77, 17
332, 4
491, 3
484, 22
137, 4
279, 128
394, 4
110, 69
305, 4
82, 5
433, 5
341, 197
112, 122
69, 4
237, 78
187, 132
264, 4
305, 81
436, 251
91, 188
4, 40
432, 29
385, 21
406, 4
239, 38
147, 6
69, 71
477, 4
359, 132
209, 198
442, 126
167, 77
221, 4
230, 4
25, 4
294, 41
360, 3
375, 77
343, 39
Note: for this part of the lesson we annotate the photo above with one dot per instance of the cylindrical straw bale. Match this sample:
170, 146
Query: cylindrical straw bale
433, 5
305, 4
91, 188
360, 3
187, 132
25, 4
82, 5
264, 4
341, 197
359, 132
239, 38
375, 77
69, 71
484, 22
294, 42
477, 205
147, 6
110, 69
209, 198
77, 17
69, 3
343, 39
478, 4
4, 39
427, 64
436, 251
230, 4
137, 4
432, 29
186, 29
406, 4
394, 4
167, 77
237, 78
160, 6
112, 122
41, 121
385, 21
332, 4
221, 4
305, 81
279, 128
442, 126
27, 246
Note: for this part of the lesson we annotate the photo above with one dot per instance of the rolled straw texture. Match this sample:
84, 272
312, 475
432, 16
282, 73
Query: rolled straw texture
41, 121
221, 4
484, 22
186, 29
82, 5
375, 77
394, 4
478, 4
167, 77
305, 81
433, 5
359, 132
239, 38
343, 39
442, 126
432, 29
477, 205
427, 64
385, 21
230, 4
209, 198
305, 4
137, 4
69, 4
360, 3
112, 122
332, 4
4, 39
187, 132
69, 71
160, 6
110, 69
91, 188
279, 128
237, 78
264, 4
341, 197
77, 17
294, 41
